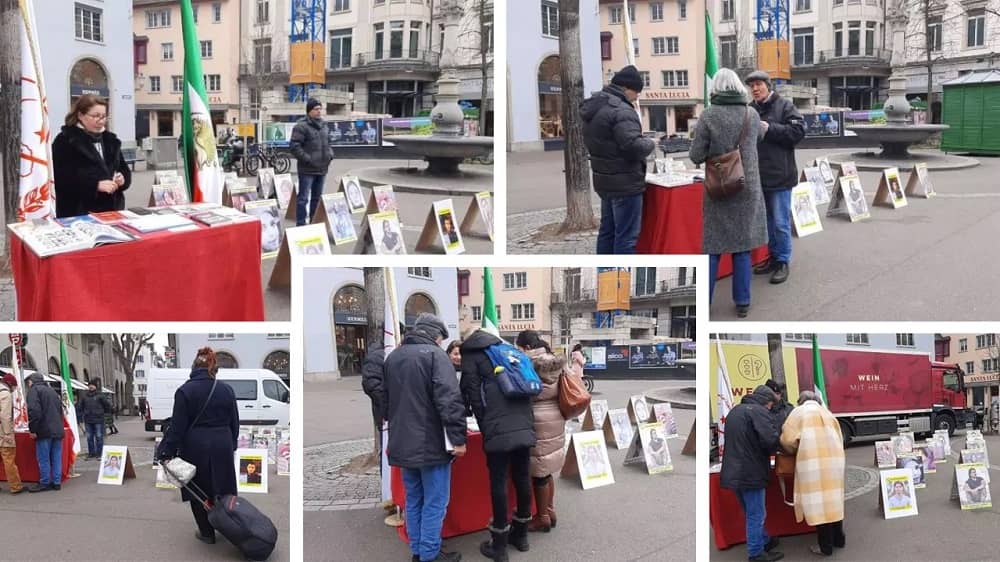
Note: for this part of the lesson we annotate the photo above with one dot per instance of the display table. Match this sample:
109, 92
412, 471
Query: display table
469, 507
729, 524
27, 461
213, 273
672, 224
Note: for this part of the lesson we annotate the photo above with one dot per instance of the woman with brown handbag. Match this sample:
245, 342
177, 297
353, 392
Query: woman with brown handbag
547, 456
735, 217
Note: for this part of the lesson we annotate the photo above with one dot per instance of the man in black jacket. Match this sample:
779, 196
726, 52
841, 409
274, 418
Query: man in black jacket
783, 129
310, 144
612, 132
781, 407
426, 416
751, 439
91, 410
45, 422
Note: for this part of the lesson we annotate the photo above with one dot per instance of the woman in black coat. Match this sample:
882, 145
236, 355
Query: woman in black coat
508, 428
207, 442
91, 174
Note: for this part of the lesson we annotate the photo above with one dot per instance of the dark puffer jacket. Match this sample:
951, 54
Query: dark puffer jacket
78, 168
613, 135
45, 413
751, 439
92, 408
373, 381
310, 144
423, 403
507, 424
777, 149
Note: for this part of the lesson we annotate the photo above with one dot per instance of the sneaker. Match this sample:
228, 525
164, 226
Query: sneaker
742, 310
771, 544
448, 557
767, 557
764, 268
780, 274
39, 488
56, 487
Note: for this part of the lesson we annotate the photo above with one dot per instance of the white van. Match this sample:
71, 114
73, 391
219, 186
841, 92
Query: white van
261, 395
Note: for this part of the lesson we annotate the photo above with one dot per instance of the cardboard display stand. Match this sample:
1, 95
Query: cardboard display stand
481, 208
169, 192
826, 171
649, 448
116, 465
595, 415
897, 497
638, 410
813, 177
975, 495
271, 228
849, 200
920, 177
378, 239
664, 413
440, 233
885, 455
251, 470
805, 217
291, 213
914, 462
265, 182
587, 457
298, 241
690, 447
351, 188
365, 241
285, 192
618, 429
237, 196
336, 218
890, 190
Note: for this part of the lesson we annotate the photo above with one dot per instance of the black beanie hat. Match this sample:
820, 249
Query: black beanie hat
630, 78
312, 103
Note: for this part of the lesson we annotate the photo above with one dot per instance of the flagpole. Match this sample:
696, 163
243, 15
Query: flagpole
28, 19
630, 48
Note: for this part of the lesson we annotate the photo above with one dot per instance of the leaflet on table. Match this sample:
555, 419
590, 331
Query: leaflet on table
54, 239
674, 178
156, 223
113, 217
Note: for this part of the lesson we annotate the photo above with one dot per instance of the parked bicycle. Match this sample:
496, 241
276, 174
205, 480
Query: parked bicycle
271, 157
235, 158
588, 382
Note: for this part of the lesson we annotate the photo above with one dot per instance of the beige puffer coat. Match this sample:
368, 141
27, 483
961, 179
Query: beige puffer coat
6, 416
547, 456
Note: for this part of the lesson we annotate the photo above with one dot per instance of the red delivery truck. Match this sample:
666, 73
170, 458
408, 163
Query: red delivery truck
876, 392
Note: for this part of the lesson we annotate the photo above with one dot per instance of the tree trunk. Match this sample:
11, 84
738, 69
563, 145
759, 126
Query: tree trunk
375, 309
930, 63
484, 51
777, 358
10, 120
579, 210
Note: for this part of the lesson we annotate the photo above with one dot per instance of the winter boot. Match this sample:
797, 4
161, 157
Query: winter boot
496, 548
552, 501
542, 520
519, 532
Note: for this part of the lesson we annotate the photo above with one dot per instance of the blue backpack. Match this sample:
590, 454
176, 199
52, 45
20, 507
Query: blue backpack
514, 371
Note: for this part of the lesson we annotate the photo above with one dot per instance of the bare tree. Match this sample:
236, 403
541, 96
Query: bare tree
375, 309
10, 121
775, 353
477, 37
127, 348
263, 73
579, 209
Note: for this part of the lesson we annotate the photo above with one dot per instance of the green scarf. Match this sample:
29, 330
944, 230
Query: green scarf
728, 98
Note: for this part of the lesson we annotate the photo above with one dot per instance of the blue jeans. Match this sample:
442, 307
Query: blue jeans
741, 277
310, 193
49, 454
779, 224
621, 220
427, 493
95, 438
755, 510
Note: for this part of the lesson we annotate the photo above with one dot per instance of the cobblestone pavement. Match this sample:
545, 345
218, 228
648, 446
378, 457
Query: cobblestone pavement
859, 481
327, 488
522, 230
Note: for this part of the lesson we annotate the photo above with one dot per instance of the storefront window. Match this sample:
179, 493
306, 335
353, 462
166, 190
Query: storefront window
550, 98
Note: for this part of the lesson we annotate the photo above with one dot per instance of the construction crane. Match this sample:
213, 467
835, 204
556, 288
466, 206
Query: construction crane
306, 45
773, 29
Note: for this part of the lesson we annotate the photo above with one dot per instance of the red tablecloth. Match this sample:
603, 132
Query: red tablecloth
205, 274
672, 224
27, 461
728, 522
469, 507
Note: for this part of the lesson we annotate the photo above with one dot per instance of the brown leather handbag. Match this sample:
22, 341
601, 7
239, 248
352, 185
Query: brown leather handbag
784, 464
573, 396
724, 175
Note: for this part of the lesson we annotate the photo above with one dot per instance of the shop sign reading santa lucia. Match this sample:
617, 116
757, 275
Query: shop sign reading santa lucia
665, 94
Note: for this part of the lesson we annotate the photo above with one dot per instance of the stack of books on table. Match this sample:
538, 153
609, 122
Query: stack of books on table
48, 238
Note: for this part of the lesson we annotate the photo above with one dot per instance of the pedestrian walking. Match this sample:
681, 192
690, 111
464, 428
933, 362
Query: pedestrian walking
578, 360
813, 435
751, 439
8, 444
203, 431
507, 426
612, 132
93, 408
427, 430
310, 145
45, 422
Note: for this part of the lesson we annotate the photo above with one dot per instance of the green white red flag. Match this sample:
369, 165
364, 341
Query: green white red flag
36, 186
201, 162
491, 323
711, 57
69, 403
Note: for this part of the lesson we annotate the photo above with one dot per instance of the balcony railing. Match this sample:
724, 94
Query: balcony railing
833, 57
390, 59
275, 67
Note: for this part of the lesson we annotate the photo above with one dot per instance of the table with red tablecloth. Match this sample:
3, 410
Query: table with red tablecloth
27, 461
672, 224
212, 273
728, 521
469, 508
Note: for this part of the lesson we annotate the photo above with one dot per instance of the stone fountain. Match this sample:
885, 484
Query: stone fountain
446, 147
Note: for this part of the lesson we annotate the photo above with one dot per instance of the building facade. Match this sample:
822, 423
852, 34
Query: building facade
534, 90
335, 325
979, 356
238, 351
923, 343
83, 52
159, 63
668, 39
521, 296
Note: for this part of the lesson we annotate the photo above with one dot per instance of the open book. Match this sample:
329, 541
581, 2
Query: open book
54, 239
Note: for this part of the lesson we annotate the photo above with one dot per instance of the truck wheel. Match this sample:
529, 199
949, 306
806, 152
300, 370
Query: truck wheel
945, 421
845, 431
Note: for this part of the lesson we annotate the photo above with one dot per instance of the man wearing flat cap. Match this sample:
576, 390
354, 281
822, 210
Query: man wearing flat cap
783, 129
612, 132
424, 408
751, 438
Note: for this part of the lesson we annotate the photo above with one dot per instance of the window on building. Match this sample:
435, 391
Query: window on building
732, 337
986, 340
176, 83
220, 337
341, 5
422, 272
803, 5
262, 56
857, 339
682, 9
517, 280
154, 84
167, 50
963, 345
870, 38
976, 28
799, 338
727, 51
682, 276
990, 365
477, 313
263, 11
340, 48
522, 311
213, 82
854, 38
635, 45
414, 39
669, 79
683, 322
970, 367
194, 13
88, 23
396, 29
645, 78
728, 10
934, 33
645, 281
659, 45
216, 12
498, 312
254, 103
614, 14
904, 340
206, 49
550, 19
802, 45
379, 43
656, 11
838, 39
158, 18
673, 45
463, 284
140, 53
